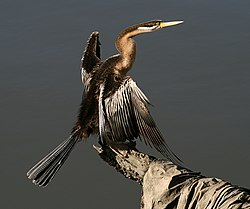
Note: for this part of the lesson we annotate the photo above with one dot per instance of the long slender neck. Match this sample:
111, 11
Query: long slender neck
127, 52
126, 46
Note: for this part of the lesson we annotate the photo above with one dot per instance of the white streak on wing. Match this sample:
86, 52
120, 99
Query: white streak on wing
128, 117
138, 92
101, 114
120, 112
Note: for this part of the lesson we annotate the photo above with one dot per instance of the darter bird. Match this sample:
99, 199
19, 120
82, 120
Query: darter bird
112, 105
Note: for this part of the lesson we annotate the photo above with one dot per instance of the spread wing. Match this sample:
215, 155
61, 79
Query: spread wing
90, 59
125, 115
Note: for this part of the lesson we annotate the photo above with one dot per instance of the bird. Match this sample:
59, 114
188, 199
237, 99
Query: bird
112, 107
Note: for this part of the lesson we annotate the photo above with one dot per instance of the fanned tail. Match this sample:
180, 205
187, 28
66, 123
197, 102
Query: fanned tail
45, 170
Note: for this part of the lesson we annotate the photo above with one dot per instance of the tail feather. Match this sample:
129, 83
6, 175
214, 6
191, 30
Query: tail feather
45, 170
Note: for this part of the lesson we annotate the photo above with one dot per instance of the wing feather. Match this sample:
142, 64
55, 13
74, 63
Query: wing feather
90, 59
128, 117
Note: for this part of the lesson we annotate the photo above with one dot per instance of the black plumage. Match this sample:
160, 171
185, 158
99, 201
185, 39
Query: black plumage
112, 105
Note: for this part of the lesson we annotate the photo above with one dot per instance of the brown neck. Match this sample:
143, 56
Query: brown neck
127, 52
126, 46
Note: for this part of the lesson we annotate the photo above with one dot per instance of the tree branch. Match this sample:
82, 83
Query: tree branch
166, 185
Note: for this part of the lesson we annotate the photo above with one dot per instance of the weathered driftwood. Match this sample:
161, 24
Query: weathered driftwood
166, 185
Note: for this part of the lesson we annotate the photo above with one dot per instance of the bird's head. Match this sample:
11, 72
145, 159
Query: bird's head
155, 25
146, 27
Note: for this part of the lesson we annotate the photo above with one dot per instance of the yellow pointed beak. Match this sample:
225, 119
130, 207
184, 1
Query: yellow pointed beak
166, 24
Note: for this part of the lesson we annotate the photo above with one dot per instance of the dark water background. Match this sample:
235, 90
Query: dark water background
196, 74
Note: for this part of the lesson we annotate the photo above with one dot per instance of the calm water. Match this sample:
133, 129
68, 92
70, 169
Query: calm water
196, 74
